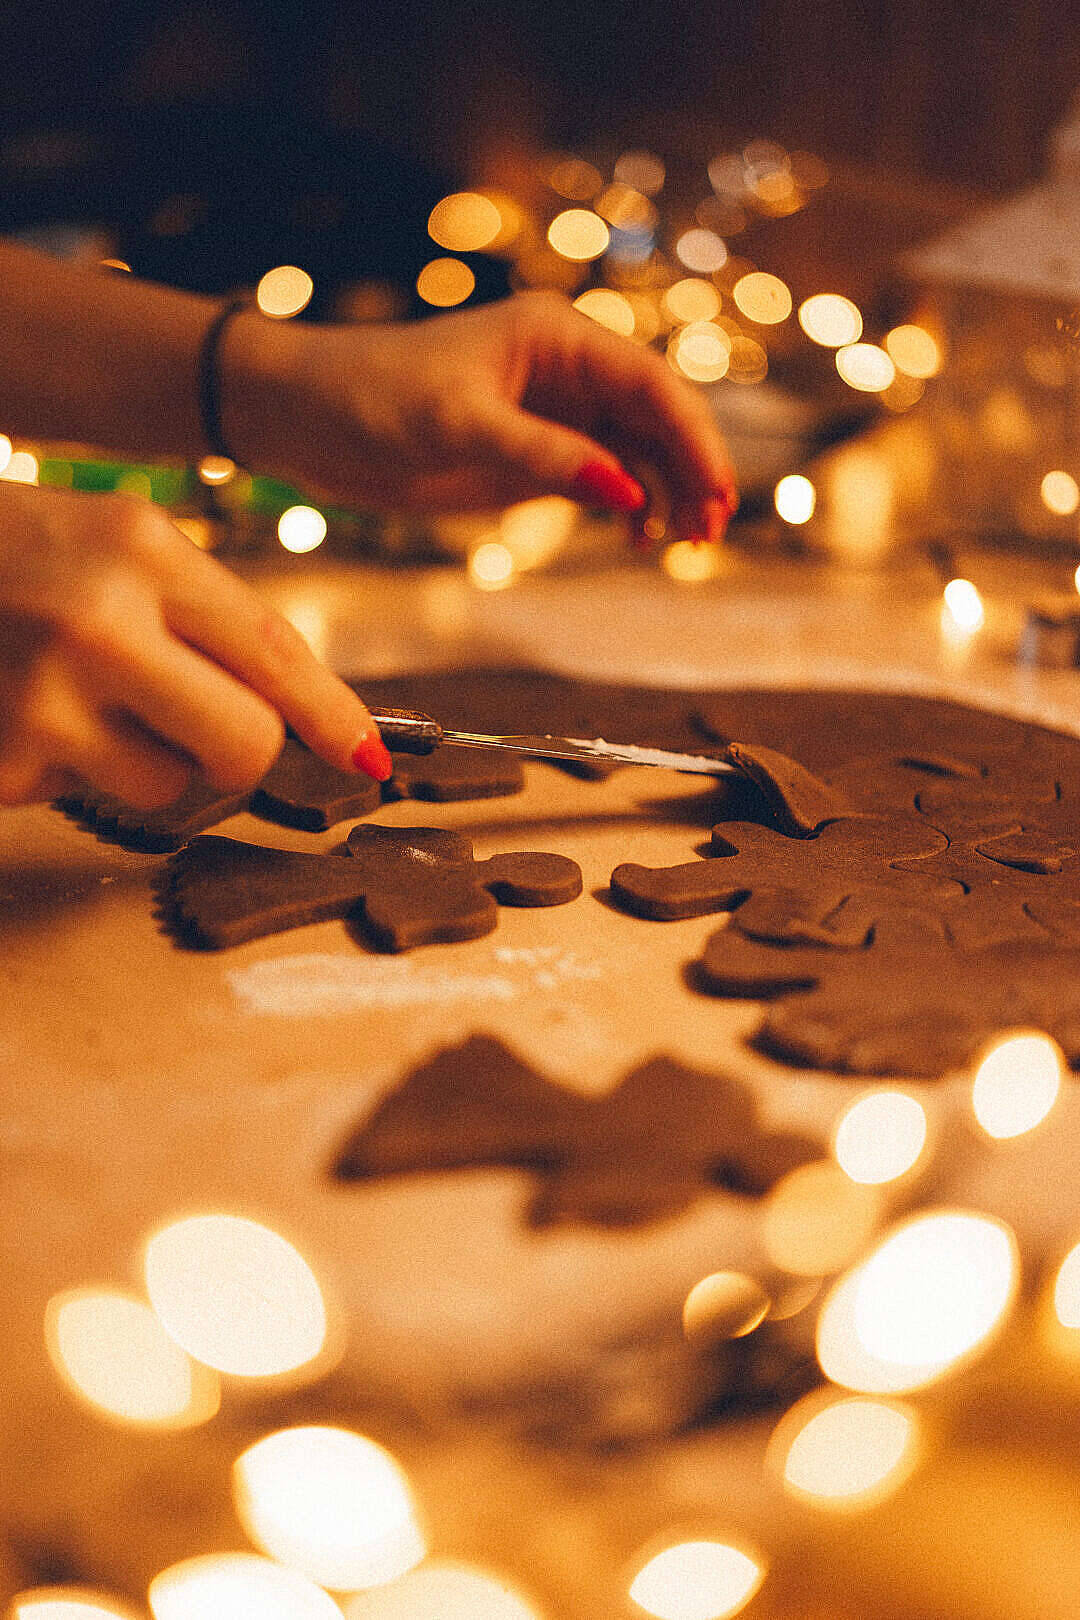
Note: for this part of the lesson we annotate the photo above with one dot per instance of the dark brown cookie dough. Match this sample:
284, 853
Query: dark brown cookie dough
418, 886
454, 773
155, 832
299, 790
646, 1151
907, 1003
798, 800
791, 889
302, 790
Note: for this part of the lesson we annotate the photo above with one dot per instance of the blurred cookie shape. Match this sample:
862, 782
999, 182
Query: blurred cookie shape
663, 1138
826, 889
402, 887
909, 1002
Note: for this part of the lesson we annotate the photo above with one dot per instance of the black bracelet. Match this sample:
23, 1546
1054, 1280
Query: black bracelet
208, 376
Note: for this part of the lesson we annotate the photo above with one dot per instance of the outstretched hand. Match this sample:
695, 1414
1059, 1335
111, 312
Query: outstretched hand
128, 657
474, 409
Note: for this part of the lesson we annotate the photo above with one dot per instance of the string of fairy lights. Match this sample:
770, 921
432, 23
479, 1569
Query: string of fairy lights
905, 1297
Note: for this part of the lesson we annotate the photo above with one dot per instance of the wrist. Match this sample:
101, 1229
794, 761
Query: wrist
258, 369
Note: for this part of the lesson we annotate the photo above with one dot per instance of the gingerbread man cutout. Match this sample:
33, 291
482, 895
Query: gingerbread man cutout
824, 889
415, 886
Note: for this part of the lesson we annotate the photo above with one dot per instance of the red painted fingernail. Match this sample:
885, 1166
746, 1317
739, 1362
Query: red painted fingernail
609, 486
372, 755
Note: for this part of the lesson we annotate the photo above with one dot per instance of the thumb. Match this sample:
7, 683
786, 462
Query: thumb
552, 459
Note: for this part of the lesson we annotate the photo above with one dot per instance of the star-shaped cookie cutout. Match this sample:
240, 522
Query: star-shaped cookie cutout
826, 888
907, 1003
402, 887
663, 1138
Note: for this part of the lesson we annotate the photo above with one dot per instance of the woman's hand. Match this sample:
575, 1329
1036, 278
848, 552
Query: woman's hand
128, 657
474, 409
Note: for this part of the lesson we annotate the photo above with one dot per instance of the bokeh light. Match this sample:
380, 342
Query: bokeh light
575, 179
1060, 492
442, 1590
748, 363
848, 1452
816, 1219
237, 1586
21, 467
725, 1305
578, 234
697, 1580
928, 1298
329, 1503
692, 299
67, 1603
689, 563
865, 367
235, 1295
701, 351
831, 320
776, 193
284, 291
795, 498
626, 209
135, 482
902, 393
445, 282
642, 170
608, 308
110, 1349
216, 469
880, 1137
1017, 1083
115, 264
5, 451
809, 171
762, 298
964, 605
301, 528
535, 531
464, 222
914, 351
491, 566
701, 250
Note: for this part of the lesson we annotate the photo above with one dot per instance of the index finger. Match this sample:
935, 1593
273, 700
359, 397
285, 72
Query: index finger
211, 609
639, 391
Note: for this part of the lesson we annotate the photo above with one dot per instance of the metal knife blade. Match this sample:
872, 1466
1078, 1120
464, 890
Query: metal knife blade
412, 732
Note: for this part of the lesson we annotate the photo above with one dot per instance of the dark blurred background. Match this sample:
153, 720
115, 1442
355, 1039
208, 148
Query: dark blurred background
211, 140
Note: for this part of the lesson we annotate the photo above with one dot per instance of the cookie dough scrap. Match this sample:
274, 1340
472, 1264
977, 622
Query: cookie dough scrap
403, 887
659, 1141
455, 773
301, 790
817, 889
152, 832
909, 1002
